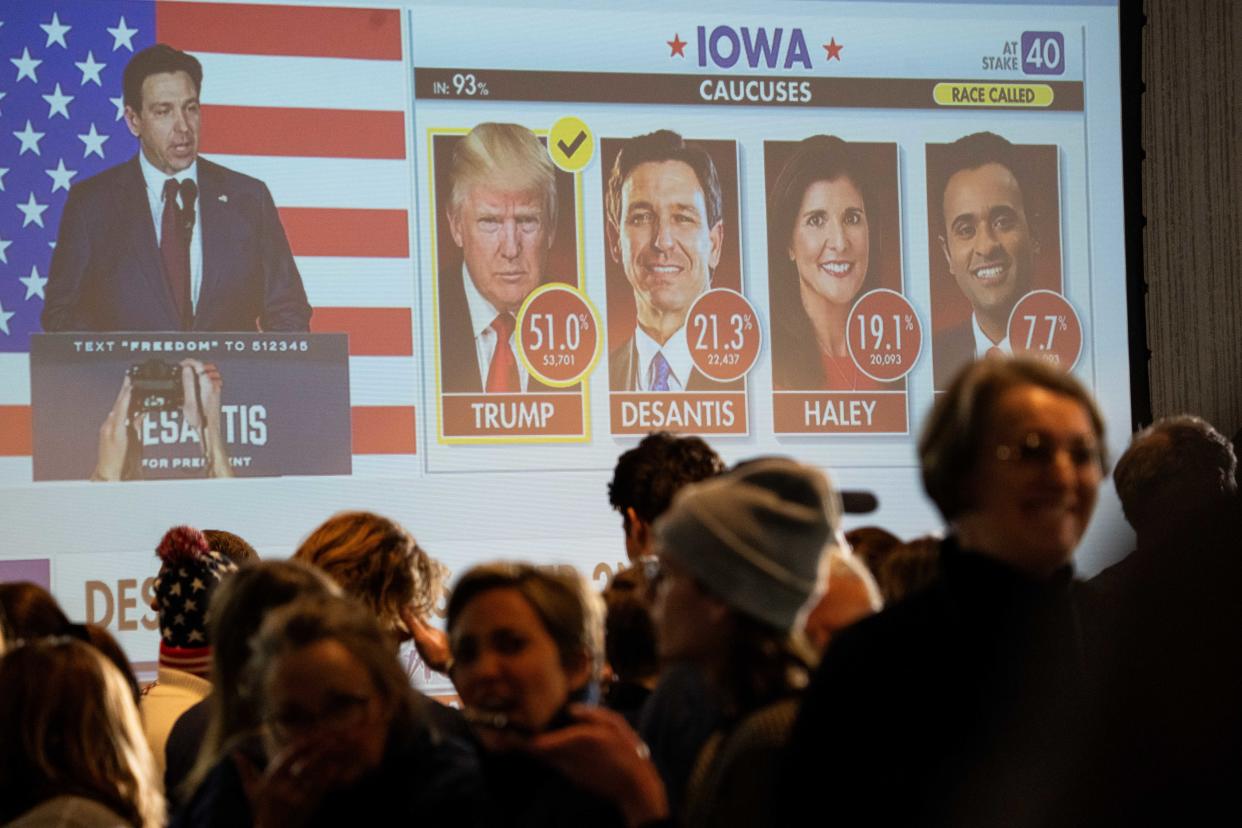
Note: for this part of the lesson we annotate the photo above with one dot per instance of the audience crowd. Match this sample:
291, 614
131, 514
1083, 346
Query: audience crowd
756, 664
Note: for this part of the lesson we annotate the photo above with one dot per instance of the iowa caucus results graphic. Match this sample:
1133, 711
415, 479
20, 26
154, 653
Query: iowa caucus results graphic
795, 224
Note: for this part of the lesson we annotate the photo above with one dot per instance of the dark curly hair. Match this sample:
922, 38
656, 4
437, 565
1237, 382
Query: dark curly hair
648, 475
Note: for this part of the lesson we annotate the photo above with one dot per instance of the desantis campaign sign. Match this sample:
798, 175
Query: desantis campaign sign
282, 406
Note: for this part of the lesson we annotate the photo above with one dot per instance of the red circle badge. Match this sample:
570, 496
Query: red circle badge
558, 334
722, 330
1043, 324
884, 335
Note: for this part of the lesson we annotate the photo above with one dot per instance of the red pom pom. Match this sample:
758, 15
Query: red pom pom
182, 543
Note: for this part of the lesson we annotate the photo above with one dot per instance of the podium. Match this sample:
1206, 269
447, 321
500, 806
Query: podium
284, 407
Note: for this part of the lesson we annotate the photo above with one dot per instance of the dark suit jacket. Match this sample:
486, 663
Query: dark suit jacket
459, 361
106, 273
952, 349
623, 371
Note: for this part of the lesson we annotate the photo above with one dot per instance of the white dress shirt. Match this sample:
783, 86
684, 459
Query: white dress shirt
155, 197
983, 342
482, 314
676, 352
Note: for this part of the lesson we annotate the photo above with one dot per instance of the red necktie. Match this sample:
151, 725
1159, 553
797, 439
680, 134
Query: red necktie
175, 253
994, 352
502, 374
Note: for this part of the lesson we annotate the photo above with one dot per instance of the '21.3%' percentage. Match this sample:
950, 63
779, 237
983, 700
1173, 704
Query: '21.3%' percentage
723, 334
708, 331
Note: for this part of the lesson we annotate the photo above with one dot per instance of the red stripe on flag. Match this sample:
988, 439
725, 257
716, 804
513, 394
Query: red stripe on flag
280, 30
383, 429
16, 436
372, 331
316, 133
323, 231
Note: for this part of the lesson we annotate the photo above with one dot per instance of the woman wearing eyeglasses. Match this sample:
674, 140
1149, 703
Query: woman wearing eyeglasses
341, 739
965, 699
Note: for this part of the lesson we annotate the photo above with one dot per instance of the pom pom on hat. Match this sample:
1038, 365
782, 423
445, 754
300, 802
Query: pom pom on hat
182, 544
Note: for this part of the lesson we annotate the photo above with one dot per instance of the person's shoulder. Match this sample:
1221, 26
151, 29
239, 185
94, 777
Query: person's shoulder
218, 174
623, 366
951, 349
69, 812
767, 729
106, 181
624, 350
220, 799
903, 631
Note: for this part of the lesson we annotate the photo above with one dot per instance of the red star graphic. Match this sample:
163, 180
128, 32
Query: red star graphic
833, 49
677, 45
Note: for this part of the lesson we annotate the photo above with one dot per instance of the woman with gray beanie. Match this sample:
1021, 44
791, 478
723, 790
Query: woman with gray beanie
742, 556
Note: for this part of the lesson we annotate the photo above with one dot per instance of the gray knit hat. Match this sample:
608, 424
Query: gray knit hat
756, 536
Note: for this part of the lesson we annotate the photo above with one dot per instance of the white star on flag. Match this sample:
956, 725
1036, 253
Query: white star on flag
60, 176
94, 142
91, 69
58, 103
3, 170
29, 138
33, 211
26, 66
197, 585
55, 31
4, 246
119, 103
5, 316
2, 94
122, 36
34, 283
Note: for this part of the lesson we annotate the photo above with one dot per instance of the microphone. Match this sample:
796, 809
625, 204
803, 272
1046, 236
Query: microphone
189, 192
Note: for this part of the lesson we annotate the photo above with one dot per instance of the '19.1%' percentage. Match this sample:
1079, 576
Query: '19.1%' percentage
884, 335
875, 324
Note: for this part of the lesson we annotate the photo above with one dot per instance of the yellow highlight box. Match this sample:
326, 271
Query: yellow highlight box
993, 94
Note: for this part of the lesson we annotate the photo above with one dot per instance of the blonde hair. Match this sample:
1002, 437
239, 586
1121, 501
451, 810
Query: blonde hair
376, 561
506, 156
71, 727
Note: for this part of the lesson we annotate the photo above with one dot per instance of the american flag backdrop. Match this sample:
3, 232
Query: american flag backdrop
312, 100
